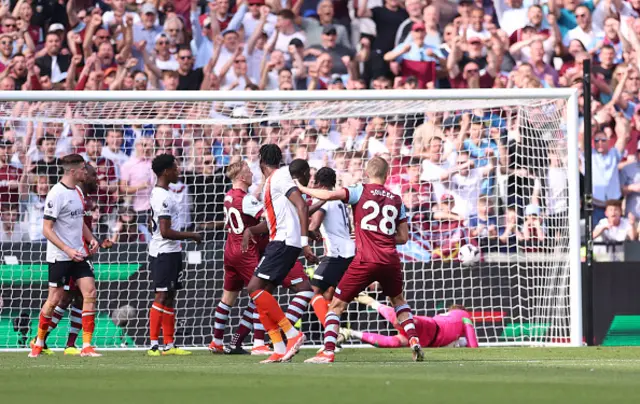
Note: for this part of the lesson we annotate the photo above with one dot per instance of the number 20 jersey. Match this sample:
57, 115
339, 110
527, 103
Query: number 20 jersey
377, 212
241, 210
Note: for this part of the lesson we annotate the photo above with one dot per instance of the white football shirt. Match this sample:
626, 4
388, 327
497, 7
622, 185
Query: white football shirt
282, 216
65, 206
163, 206
335, 230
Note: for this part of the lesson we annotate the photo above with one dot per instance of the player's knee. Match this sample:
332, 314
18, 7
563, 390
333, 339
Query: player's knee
328, 294
89, 295
317, 290
304, 286
160, 297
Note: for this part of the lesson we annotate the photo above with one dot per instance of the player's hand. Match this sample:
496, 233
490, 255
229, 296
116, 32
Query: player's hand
75, 255
107, 244
197, 237
93, 246
246, 238
309, 255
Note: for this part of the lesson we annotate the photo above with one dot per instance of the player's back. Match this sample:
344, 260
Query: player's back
241, 210
377, 212
336, 230
282, 216
163, 206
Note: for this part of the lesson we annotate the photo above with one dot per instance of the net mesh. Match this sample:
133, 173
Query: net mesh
485, 173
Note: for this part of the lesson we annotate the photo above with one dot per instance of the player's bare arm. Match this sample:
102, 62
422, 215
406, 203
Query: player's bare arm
88, 236
248, 233
324, 194
402, 233
47, 231
303, 214
315, 207
168, 233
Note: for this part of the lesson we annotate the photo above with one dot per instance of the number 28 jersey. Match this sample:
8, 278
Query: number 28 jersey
377, 212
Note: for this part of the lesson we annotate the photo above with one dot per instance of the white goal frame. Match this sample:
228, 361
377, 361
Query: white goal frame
570, 95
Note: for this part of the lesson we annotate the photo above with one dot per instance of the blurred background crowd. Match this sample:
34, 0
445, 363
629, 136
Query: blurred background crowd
484, 176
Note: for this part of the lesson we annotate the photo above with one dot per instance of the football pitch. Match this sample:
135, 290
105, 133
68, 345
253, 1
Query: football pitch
461, 376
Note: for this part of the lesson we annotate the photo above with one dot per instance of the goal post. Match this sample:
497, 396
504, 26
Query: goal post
469, 164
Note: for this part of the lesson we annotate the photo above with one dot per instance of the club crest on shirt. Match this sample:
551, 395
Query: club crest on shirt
165, 205
50, 205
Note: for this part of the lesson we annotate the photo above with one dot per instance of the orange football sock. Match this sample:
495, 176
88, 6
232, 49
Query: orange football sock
155, 322
168, 326
88, 326
43, 327
265, 302
320, 307
274, 332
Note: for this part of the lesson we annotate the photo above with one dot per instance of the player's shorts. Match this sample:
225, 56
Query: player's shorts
362, 274
71, 286
61, 272
166, 270
238, 270
330, 271
277, 262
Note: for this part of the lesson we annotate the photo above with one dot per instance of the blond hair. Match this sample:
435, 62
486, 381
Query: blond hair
234, 169
377, 167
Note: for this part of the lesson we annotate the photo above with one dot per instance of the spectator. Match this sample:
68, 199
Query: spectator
387, 19
107, 194
466, 182
286, 31
584, 31
342, 56
113, 150
54, 64
9, 175
606, 178
46, 163
533, 232
11, 230
33, 193
126, 229
189, 78
613, 228
483, 225
137, 179
145, 33
314, 29
630, 181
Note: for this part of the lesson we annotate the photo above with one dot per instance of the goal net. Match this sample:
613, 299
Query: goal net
494, 171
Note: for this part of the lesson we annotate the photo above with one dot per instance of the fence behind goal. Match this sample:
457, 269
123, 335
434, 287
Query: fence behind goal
494, 169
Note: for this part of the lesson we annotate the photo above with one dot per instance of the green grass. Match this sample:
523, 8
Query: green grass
367, 376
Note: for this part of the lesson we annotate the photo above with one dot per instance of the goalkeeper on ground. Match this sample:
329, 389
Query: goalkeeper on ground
453, 329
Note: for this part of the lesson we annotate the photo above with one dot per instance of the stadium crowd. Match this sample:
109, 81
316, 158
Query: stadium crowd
470, 175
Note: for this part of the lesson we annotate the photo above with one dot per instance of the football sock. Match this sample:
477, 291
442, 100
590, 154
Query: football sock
220, 322
258, 330
381, 341
331, 327
57, 315
273, 330
155, 322
407, 324
267, 304
88, 325
43, 328
298, 306
75, 325
320, 307
168, 327
246, 325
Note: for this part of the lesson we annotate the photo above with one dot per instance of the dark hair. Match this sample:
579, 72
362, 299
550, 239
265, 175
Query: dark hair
47, 136
607, 46
326, 177
252, 87
184, 48
298, 168
71, 160
287, 14
284, 69
162, 162
270, 155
